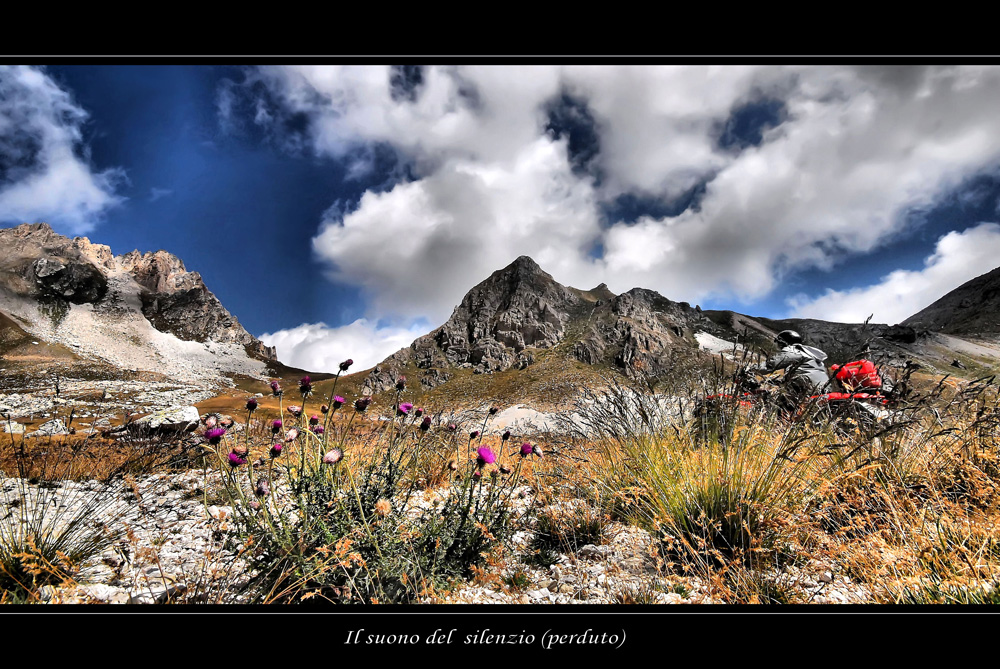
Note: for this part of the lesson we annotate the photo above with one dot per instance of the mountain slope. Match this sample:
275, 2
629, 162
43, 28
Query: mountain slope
136, 312
533, 334
972, 309
520, 317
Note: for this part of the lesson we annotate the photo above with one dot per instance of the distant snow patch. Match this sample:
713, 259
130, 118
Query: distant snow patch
713, 344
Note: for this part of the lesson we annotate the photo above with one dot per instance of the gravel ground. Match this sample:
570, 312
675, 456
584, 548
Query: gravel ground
175, 548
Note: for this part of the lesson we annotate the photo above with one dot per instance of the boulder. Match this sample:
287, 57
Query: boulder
49, 429
174, 419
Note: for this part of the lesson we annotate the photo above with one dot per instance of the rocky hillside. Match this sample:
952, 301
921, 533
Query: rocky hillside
971, 310
520, 314
135, 312
177, 301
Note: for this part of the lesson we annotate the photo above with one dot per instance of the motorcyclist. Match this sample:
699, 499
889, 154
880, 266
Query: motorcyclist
805, 373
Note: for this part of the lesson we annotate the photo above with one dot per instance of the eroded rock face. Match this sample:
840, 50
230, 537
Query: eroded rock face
518, 307
77, 282
38, 263
640, 332
177, 301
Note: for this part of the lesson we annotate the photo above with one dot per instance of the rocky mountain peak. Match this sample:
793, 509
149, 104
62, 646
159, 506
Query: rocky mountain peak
519, 311
40, 266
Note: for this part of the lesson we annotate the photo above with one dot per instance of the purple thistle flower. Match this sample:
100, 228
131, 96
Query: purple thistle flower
419, 412
214, 435
324, 409
263, 488
477, 475
276, 388
452, 427
338, 401
295, 410
362, 404
235, 460
211, 421
276, 426
333, 457
314, 420
401, 383
426, 423
344, 365
251, 405
316, 429
305, 386
276, 450
473, 434
291, 435
525, 449
485, 457
403, 409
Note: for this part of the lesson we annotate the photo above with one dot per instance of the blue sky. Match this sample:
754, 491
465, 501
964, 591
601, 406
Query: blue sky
343, 210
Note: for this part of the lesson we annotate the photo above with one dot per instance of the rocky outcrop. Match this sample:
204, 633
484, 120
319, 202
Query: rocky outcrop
640, 332
77, 282
517, 307
177, 301
165, 421
40, 264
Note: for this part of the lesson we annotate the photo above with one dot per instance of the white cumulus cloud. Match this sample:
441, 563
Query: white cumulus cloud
44, 172
857, 148
318, 348
957, 258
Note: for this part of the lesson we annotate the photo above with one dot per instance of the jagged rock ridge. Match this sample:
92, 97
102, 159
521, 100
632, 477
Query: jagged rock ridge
519, 311
177, 301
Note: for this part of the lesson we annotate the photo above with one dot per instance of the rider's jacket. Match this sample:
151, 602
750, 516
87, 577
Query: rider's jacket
803, 365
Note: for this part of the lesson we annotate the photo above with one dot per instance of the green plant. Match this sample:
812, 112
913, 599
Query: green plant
518, 580
568, 527
343, 518
45, 540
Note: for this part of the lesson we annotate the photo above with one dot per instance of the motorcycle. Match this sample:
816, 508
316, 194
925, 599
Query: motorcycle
715, 415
